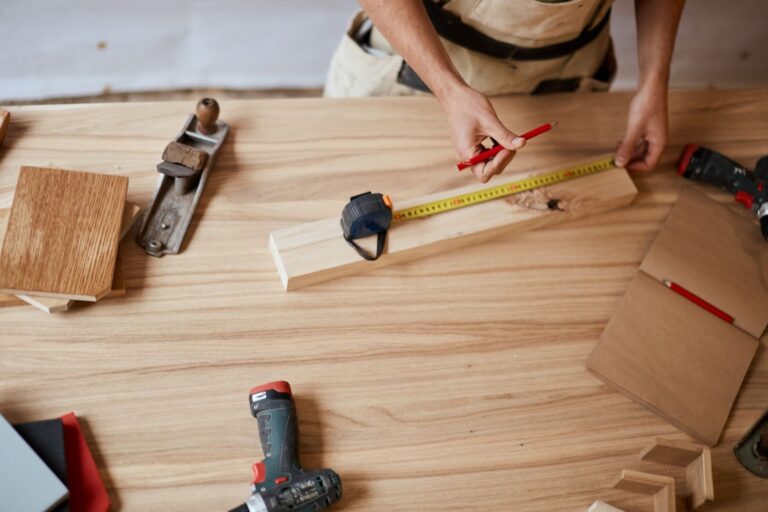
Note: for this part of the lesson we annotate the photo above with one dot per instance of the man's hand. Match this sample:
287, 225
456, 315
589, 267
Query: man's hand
646, 136
646, 130
407, 27
472, 120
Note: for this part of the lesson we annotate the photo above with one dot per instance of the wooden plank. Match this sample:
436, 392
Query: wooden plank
5, 120
696, 458
58, 305
415, 380
10, 300
62, 234
662, 488
316, 252
130, 215
600, 506
7, 299
47, 304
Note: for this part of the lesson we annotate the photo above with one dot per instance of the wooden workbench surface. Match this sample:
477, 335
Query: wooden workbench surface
451, 383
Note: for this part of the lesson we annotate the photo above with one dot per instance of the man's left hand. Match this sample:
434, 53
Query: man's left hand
646, 130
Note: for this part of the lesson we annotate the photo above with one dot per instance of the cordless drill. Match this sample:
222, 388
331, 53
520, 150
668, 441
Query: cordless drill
280, 484
749, 188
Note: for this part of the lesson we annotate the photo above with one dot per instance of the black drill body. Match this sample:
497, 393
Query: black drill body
280, 484
749, 188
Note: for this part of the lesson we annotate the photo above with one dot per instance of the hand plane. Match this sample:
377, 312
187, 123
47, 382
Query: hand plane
187, 162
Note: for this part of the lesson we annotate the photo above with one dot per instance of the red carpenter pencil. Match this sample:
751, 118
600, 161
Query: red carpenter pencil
490, 153
698, 301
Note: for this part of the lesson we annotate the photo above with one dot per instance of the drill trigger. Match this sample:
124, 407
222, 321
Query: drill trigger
259, 470
745, 198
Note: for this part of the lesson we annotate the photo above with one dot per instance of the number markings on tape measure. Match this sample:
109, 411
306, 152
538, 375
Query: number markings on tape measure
499, 191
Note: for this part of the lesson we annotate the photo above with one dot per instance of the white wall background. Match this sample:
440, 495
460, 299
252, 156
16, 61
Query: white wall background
54, 48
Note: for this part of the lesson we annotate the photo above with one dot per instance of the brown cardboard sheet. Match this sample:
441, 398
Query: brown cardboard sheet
666, 352
673, 357
717, 255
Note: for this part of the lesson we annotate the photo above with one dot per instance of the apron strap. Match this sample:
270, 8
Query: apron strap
450, 27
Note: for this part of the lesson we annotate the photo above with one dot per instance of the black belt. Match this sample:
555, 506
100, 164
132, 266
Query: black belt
450, 27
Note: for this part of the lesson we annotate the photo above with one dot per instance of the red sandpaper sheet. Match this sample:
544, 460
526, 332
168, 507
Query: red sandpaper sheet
86, 489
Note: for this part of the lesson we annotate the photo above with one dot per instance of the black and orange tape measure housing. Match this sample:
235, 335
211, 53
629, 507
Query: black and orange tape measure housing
365, 215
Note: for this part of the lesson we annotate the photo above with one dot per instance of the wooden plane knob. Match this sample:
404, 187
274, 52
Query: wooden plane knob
207, 112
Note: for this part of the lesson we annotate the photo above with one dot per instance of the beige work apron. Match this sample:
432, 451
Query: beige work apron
356, 71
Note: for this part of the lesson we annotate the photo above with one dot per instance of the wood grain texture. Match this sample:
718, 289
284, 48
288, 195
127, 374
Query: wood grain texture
62, 234
674, 358
316, 252
117, 289
7, 299
600, 506
697, 460
56, 305
47, 304
662, 488
417, 380
5, 120
130, 216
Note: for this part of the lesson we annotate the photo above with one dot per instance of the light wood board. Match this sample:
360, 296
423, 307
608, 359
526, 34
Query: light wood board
600, 506
662, 488
5, 120
695, 458
56, 305
62, 234
7, 299
312, 253
456, 381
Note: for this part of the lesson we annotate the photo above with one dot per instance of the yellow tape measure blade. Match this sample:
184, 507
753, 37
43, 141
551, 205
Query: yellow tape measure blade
503, 190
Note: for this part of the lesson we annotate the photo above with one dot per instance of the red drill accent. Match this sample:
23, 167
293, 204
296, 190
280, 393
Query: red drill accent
280, 386
685, 158
259, 470
745, 198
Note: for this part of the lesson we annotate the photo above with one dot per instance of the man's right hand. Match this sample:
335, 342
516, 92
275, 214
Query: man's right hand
409, 30
472, 120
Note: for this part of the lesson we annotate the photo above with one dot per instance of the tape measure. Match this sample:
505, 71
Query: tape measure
372, 214
499, 191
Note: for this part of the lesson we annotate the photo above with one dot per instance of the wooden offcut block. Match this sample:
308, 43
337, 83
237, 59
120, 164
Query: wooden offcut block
316, 252
62, 235
600, 506
5, 120
662, 488
695, 458
57, 305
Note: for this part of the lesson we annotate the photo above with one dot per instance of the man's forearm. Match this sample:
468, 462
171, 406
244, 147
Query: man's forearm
657, 22
409, 30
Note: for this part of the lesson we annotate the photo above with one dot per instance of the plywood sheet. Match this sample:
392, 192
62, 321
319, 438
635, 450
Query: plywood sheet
674, 358
62, 234
316, 252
